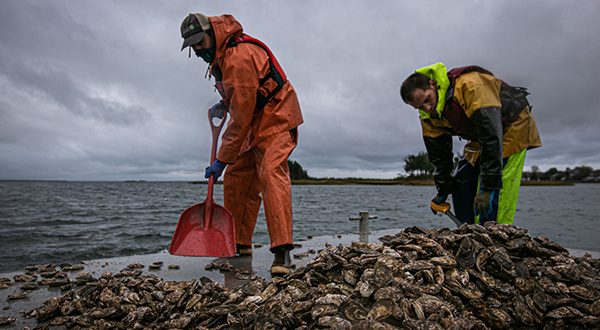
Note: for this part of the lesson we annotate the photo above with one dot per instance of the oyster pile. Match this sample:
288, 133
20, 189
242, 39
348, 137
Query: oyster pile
473, 277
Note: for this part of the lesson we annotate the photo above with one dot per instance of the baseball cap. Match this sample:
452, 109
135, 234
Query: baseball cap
193, 28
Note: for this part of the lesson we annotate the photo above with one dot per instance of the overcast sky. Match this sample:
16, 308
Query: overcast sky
99, 90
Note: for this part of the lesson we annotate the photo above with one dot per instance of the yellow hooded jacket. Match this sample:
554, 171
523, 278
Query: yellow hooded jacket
474, 91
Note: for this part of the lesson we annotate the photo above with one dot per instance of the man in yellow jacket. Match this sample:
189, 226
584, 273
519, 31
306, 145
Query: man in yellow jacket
495, 118
261, 132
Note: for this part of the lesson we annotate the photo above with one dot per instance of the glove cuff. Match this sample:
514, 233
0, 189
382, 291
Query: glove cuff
220, 164
490, 181
439, 199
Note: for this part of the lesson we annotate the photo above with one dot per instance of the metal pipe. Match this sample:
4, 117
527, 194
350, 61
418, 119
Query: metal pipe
364, 225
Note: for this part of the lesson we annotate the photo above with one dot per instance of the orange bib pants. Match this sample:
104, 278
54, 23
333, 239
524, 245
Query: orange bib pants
262, 170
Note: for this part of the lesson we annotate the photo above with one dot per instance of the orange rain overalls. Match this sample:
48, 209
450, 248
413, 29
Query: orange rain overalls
257, 142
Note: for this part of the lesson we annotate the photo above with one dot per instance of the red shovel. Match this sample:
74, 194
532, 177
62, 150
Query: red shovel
206, 229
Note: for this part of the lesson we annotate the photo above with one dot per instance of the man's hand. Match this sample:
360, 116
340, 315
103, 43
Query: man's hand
218, 110
483, 203
439, 199
216, 169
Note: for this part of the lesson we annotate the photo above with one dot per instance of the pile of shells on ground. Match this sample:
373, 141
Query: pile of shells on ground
473, 277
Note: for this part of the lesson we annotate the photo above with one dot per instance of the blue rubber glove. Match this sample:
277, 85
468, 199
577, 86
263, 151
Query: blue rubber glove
482, 205
216, 169
218, 110
438, 199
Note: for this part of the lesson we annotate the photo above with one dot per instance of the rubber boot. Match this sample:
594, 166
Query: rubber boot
281, 262
243, 250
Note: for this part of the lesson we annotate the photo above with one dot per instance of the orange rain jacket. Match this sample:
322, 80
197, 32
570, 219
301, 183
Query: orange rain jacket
243, 66
257, 142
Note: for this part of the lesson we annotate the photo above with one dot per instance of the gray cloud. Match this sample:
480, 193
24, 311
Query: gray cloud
100, 91
70, 94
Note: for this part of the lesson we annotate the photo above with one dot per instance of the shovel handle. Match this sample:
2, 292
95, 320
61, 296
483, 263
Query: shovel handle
445, 208
216, 130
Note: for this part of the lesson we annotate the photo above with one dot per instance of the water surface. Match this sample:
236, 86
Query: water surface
55, 222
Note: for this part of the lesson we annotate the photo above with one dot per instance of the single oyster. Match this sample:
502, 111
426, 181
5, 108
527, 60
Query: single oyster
496, 317
332, 299
381, 309
392, 291
418, 265
445, 261
564, 312
6, 320
583, 292
352, 311
319, 311
350, 276
364, 289
465, 256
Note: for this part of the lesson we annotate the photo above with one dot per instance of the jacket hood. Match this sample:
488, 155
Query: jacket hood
224, 27
438, 73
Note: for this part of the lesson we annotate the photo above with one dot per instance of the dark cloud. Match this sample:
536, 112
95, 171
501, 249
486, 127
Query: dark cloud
69, 94
99, 90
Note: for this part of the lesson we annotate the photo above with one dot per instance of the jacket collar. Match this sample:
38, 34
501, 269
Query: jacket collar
438, 73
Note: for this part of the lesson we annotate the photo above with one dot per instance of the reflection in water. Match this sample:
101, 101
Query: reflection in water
242, 272
236, 271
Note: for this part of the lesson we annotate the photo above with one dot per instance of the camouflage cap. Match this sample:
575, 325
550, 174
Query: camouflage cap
193, 28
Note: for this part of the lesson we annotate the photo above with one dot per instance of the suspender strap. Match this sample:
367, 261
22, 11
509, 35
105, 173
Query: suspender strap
275, 71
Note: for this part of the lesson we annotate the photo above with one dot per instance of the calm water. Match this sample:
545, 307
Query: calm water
55, 222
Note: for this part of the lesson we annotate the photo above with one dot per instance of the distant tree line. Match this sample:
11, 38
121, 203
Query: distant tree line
578, 174
419, 167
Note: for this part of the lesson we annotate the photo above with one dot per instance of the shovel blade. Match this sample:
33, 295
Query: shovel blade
196, 236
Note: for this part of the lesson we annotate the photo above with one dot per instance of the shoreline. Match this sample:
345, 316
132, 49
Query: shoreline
396, 182
324, 181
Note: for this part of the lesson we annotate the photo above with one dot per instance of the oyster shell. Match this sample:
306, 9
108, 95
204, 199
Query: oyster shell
564, 312
466, 254
382, 309
444, 261
473, 277
6, 320
583, 292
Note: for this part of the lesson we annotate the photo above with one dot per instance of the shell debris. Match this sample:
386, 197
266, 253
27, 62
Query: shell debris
473, 277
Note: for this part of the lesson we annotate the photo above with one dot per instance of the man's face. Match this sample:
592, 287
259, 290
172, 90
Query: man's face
425, 99
205, 43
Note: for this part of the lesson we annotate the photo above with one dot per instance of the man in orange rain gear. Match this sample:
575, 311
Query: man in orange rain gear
260, 135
